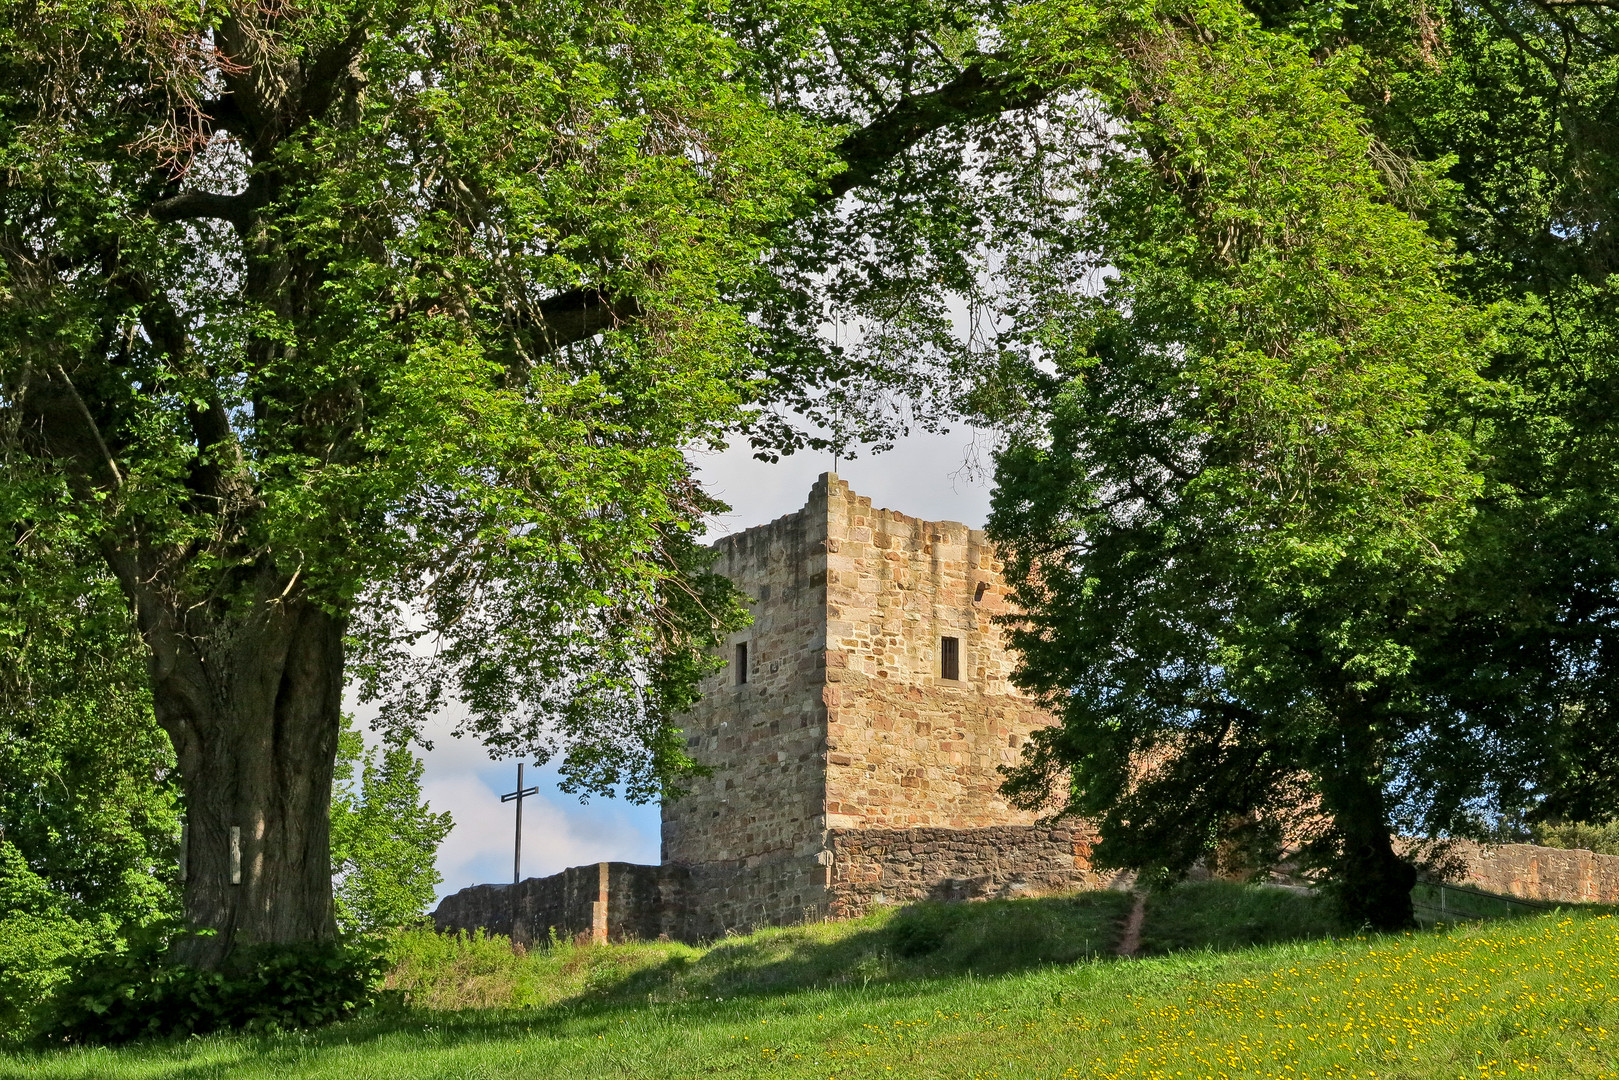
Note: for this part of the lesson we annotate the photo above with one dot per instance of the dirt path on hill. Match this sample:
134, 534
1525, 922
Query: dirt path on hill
1130, 943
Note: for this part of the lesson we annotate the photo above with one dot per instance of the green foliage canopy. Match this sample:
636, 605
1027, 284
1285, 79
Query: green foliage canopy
1316, 533
384, 837
1519, 102
1246, 497
313, 341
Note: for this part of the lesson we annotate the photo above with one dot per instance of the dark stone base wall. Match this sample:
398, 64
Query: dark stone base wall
737, 897
859, 869
611, 901
871, 867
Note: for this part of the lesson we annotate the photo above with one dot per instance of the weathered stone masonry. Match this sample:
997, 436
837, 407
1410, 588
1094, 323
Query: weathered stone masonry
849, 770
610, 901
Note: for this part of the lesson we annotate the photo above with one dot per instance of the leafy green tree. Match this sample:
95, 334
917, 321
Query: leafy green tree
1513, 103
89, 814
384, 837
333, 329
1228, 655
1244, 502
1517, 102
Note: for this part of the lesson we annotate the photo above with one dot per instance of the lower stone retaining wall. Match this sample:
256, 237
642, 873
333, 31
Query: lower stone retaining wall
863, 868
900, 866
740, 896
1532, 872
858, 869
610, 901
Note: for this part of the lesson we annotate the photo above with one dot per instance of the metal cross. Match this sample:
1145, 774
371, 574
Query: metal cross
517, 797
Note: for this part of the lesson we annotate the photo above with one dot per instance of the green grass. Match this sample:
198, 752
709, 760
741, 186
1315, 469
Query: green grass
911, 994
888, 946
1217, 915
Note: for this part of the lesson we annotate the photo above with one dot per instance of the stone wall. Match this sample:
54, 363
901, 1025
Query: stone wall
610, 901
845, 721
751, 832
740, 896
1532, 872
907, 747
900, 866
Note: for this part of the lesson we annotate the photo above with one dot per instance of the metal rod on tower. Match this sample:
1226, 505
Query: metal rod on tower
518, 796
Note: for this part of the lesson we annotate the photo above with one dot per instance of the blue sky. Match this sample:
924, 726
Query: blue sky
923, 476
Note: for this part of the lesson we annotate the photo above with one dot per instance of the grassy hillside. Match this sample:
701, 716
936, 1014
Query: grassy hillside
928, 940
1011, 990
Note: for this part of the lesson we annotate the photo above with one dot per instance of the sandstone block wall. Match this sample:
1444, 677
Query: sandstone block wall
848, 770
907, 747
899, 866
610, 901
752, 832
1532, 872
736, 897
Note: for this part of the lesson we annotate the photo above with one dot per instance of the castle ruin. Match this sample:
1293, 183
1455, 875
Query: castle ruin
855, 736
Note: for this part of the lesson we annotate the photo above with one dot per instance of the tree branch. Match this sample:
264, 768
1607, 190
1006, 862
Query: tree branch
194, 205
972, 95
581, 314
1505, 25
93, 428
223, 114
324, 77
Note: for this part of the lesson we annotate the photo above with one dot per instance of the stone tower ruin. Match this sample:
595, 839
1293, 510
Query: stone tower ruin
855, 737
857, 730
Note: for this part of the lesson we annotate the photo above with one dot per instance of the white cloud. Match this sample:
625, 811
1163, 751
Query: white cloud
937, 477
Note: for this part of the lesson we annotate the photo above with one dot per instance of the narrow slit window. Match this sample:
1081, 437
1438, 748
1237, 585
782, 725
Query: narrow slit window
950, 658
741, 662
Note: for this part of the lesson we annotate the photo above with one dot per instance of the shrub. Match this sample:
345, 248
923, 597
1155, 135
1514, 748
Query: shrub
40, 940
1602, 839
923, 928
36, 953
142, 993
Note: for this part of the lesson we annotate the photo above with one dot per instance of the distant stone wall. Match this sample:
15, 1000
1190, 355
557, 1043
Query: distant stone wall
861, 868
610, 901
1556, 875
900, 866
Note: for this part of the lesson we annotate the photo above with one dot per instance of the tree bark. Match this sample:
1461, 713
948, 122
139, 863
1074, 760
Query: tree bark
1372, 882
253, 707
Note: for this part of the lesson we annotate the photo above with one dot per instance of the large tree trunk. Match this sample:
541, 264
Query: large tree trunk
1372, 882
253, 706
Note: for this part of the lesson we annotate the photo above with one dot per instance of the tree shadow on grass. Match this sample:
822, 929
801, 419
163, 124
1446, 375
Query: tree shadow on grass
904, 952
1223, 916
920, 942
